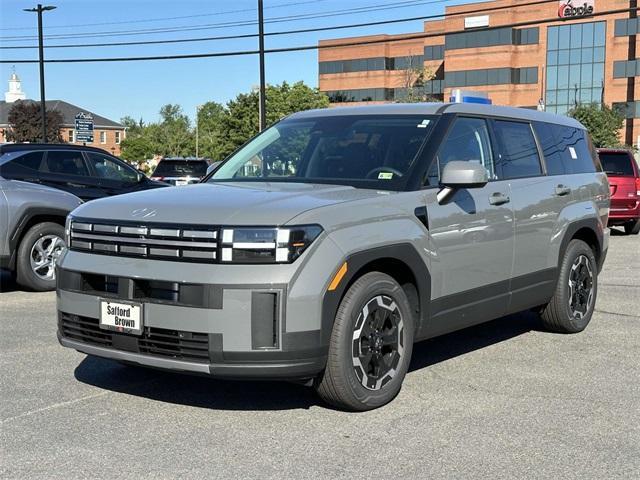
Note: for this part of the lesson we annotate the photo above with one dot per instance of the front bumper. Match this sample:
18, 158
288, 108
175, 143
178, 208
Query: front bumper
292, 369
230, 330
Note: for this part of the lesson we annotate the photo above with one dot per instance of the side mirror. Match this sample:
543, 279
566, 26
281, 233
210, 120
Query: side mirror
213, 166
461, 174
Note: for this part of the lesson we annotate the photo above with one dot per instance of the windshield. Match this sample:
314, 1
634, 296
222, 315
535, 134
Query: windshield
364, 151
180, 168
617, 164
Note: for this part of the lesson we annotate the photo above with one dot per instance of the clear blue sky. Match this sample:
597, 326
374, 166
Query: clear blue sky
139, 89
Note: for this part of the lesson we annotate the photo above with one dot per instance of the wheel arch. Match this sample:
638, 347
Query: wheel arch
30, 218
590, 231
400, 261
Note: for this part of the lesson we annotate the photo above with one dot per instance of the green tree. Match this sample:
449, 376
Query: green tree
241, 121
221, 129
602, 122
26, 123
210, 118
174, 135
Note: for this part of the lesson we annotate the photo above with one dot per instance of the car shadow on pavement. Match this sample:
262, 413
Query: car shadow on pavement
7, 282
204, 392
445, 347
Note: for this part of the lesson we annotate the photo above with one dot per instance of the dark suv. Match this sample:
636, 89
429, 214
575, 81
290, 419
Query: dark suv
624, 184
86, 172
180, 170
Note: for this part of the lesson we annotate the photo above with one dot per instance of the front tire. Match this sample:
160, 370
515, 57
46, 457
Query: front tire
370, 347
37, 255
632, 227
571, 308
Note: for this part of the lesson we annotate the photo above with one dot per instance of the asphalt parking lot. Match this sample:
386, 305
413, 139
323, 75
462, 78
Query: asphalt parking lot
502, 400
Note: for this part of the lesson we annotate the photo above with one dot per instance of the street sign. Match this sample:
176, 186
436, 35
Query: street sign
84, 127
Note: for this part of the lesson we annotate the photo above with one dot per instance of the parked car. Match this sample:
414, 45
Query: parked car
180, 170
86, 172
624, 183
32, 231
321, 250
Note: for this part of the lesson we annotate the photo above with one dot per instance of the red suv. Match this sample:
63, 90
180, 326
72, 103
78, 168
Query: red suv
624, 183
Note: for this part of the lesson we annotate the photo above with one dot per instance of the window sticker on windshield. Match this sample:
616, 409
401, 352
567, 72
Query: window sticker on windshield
385, 176
424, 123
573, 153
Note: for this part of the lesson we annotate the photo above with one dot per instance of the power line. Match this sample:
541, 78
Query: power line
310, 47
286, 32
213, 26
149, 20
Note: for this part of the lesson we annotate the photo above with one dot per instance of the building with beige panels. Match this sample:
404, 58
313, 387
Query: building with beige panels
107, 134
551, 55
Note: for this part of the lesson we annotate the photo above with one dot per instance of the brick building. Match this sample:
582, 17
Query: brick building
576, 57
107, 134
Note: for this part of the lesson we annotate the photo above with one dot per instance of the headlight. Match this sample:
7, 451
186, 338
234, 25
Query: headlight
67, 231
266, 245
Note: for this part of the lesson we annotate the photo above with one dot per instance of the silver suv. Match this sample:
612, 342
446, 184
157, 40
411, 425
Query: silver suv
330, 243
32, 231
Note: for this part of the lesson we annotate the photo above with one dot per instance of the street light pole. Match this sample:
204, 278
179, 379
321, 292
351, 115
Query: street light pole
43, 111
263, 103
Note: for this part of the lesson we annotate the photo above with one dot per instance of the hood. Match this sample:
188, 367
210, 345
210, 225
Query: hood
222, 203
17, 185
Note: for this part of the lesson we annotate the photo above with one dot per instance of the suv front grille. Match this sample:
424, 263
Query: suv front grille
159, 342
194, 243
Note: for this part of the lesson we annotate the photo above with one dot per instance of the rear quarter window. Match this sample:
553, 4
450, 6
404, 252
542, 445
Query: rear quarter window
566, 150
27, 164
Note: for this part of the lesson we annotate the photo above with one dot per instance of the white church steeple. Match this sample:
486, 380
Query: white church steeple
15, 89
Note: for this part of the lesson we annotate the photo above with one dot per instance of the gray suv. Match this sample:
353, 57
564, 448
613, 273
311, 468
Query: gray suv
32, 231
331, 242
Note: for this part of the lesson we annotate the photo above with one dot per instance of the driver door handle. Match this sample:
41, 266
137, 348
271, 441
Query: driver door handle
498, 198
562, 190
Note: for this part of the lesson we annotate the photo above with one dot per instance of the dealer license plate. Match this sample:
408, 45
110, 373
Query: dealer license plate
121, 317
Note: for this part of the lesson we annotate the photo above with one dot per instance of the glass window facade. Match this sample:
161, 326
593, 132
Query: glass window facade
575, 65
626, 69
356, 65
434, 52
628, 109
432, 88
491, 76
627, 26
370, 64
490, 38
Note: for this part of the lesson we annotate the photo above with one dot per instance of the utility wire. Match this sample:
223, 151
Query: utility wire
311, 47
213, 26
161, 19
286, 32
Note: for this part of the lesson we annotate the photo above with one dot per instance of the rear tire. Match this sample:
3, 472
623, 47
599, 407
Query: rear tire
573, 302
370, 345
37, 254
632, 227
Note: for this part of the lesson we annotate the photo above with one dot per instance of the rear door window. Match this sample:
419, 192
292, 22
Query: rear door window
63, 162
518, 155
617, 163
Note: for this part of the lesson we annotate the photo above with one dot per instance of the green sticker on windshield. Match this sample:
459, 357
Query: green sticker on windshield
385, 176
